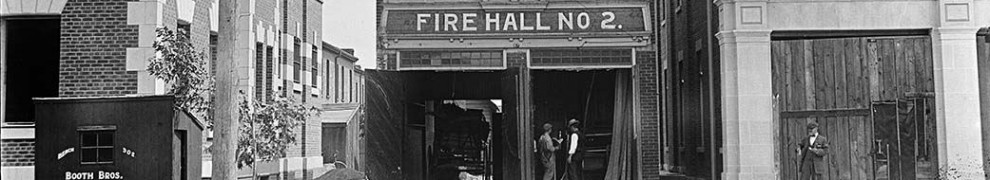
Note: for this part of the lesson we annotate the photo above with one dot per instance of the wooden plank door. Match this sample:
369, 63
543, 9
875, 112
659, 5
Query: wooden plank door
903, 98
384, 123
824, 81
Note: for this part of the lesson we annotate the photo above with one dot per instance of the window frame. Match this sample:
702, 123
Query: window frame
297, 62
97, 131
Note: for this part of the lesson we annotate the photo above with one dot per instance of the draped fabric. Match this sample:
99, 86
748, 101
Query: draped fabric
621, 153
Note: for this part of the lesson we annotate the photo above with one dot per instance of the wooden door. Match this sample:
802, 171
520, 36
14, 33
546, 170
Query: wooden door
386, 100
835, 82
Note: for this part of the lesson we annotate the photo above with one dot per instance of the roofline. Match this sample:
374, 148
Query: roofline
332, 48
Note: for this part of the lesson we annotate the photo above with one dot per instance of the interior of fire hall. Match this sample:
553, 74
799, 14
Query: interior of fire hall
454, 121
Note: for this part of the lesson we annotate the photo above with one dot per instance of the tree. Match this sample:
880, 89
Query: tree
267, 129
178, 63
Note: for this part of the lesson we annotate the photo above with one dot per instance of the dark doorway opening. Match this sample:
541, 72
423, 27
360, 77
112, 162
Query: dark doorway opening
586, 95
32, 64
440, 125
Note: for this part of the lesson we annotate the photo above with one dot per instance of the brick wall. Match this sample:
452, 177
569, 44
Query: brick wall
515, 59
95, 35
17, 152
649, 113
200, 28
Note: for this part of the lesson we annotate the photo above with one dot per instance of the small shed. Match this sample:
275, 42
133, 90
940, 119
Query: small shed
124, 137
335, 118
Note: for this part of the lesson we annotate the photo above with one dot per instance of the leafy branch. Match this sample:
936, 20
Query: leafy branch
268, 128
180, 65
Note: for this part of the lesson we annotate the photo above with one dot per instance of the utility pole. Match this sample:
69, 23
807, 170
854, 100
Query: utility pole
224, 147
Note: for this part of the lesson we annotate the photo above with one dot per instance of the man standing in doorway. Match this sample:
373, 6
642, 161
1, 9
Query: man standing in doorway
812, 153
547, 150
575, 151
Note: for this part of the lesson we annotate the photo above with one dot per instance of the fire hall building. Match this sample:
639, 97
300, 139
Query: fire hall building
464, 87
900, 88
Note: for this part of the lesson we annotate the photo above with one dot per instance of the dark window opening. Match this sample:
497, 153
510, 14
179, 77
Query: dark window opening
96, 147
32, 62
183, 26
296, 62
314, 71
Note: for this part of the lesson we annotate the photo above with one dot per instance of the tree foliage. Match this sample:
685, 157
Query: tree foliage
185, 69
268, 128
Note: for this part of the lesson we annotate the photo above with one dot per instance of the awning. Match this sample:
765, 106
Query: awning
337, 113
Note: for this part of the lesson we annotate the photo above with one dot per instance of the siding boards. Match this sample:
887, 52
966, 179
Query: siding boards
834, 82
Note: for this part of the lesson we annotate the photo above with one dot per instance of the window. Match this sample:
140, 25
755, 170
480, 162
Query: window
296, 62
314, 71
583, 57
350, 86
96, 146
259, 74
481, 58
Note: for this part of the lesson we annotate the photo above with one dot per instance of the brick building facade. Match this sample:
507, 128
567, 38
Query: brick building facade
82, 48
98, 48
531, 56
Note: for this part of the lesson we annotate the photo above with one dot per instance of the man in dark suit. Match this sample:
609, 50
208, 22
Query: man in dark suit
812, 152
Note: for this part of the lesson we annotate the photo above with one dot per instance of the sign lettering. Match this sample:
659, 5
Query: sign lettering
66, 152
515, 21
91, 175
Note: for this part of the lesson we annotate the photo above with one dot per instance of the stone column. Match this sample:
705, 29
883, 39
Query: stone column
148, 16
957, 90
747, 114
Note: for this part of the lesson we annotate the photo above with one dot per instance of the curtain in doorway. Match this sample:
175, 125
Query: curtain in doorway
620, 160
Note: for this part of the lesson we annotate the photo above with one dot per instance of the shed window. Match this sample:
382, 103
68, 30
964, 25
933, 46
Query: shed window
96, 146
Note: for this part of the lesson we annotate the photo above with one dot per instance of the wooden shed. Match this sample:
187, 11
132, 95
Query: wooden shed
125, 137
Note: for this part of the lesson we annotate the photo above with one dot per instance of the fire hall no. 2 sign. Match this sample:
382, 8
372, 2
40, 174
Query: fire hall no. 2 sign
572, 20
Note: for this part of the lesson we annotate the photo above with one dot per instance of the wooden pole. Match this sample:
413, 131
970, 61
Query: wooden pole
225, 122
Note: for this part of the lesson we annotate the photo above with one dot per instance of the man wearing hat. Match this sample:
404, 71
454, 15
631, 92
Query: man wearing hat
811, 150
548, 147
575, 150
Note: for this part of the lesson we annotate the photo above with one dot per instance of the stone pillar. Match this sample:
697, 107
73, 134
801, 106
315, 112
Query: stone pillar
148, 16
747, 113
957, 90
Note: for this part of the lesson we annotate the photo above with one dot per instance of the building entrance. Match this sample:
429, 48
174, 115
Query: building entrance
441, 125
872, 97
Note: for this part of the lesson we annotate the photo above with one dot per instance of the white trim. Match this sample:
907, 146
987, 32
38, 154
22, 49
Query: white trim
17, 133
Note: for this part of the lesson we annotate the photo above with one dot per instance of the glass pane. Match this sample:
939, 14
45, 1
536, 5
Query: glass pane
105, 155
88, 155
106, 139
87, 139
